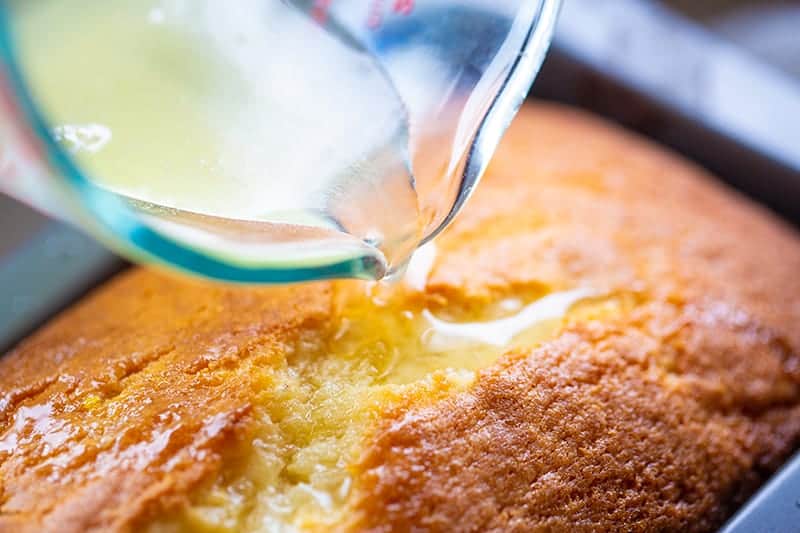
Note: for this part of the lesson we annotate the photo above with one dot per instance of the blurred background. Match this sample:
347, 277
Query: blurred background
769, 29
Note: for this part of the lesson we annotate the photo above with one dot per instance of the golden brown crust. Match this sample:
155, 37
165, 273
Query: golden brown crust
585, 433
660, 419
661, 416
128, 400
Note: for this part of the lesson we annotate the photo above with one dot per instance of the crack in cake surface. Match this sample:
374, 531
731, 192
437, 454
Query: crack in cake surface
319, 402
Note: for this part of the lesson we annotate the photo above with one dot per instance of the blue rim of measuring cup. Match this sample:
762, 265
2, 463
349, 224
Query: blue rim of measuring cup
116, 224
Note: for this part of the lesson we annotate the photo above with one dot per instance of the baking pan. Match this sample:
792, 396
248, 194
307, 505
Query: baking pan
655, 72
46, 274
632, 61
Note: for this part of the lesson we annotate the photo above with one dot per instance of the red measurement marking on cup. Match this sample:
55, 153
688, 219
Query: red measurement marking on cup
376, 12
404, 7
375, 17
320, 10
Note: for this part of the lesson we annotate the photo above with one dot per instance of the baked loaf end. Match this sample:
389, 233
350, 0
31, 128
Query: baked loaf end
658, 401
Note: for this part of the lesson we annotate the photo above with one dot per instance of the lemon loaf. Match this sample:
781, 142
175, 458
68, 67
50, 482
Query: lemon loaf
605, 339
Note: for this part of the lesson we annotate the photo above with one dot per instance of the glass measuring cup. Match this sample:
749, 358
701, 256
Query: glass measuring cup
342, 135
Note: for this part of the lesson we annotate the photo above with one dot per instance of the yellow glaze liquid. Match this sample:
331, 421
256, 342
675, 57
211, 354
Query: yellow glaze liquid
247, 111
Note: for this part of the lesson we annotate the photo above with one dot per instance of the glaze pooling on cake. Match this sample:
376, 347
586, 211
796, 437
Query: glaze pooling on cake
296, 471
